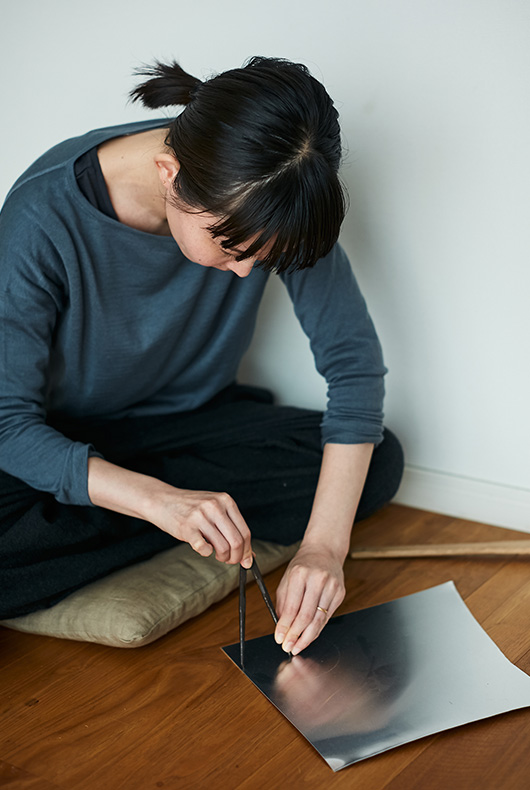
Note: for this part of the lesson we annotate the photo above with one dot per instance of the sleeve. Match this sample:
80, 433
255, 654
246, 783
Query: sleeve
347, 352
31, 298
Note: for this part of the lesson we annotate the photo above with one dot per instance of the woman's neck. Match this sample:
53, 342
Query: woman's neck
132, 180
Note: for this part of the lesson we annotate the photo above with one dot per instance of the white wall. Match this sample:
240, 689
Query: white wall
435, 105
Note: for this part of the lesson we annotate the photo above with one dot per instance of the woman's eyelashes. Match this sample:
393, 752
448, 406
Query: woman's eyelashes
232, 253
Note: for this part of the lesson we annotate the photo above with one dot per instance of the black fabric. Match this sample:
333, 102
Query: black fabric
267, 457
92, 184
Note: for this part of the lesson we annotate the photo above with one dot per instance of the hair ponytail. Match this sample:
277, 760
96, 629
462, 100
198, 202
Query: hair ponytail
168, 85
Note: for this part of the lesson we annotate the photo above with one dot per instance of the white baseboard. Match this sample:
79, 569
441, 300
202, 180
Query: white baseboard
464, 497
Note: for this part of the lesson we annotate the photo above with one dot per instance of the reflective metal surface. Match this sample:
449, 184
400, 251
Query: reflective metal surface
387, 675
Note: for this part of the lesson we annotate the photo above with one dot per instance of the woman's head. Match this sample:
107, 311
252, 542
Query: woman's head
258, 151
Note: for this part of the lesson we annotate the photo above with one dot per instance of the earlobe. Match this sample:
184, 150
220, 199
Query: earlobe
168, 167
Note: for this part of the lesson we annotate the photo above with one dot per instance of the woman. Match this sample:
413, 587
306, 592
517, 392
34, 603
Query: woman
134, 259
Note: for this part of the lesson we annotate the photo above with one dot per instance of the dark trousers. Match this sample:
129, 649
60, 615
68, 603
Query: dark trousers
266, 457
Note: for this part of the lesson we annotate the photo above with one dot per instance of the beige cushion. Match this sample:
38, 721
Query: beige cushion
136, 605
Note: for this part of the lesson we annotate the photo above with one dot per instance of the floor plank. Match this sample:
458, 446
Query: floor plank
179, 714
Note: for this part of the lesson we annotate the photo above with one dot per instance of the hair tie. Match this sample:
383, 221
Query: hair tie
194, 91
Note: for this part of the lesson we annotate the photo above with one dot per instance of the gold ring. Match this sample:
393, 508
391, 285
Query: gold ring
321, 609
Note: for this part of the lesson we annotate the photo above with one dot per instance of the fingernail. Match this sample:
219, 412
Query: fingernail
247, 563
279, 637
295, 651
287, 646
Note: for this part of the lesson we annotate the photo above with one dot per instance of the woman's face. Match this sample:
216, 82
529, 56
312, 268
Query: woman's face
191, 233
190, 230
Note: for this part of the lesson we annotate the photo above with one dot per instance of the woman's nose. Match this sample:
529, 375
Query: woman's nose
241, 268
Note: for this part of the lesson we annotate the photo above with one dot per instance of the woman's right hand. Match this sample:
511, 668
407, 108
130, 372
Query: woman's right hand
209, 521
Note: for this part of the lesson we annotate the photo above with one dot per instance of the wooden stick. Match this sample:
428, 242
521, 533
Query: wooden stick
492, 548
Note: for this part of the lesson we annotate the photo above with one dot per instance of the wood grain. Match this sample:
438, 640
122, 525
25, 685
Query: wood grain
179, 714
12, 778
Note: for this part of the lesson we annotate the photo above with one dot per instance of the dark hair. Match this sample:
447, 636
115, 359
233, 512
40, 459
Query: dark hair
259, 147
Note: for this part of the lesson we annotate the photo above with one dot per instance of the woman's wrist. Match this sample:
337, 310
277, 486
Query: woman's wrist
328, 539
131, 493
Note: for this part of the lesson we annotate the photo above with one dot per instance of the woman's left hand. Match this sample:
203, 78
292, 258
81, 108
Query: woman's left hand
313, 581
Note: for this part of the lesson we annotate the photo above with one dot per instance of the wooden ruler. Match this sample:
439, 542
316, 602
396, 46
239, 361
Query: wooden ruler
493, 548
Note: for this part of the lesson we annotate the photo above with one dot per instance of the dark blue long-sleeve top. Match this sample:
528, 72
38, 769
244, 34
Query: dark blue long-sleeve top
101, 320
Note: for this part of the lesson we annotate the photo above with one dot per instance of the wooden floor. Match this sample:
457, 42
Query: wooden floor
179, 714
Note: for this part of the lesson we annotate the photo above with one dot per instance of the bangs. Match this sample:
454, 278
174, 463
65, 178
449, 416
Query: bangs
300, 216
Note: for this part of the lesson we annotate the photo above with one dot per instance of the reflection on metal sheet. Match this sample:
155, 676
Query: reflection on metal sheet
388, 675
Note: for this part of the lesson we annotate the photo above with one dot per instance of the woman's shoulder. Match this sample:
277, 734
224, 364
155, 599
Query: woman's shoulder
57, 159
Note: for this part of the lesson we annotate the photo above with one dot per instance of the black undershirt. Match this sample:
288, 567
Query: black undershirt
92, 184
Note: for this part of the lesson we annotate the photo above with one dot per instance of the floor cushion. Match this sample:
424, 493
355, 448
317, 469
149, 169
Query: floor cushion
136, 605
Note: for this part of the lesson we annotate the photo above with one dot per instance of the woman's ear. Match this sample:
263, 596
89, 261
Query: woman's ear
168, 167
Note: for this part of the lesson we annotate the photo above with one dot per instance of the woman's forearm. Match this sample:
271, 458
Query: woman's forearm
121, 490
341, 481
209, 521
313, 585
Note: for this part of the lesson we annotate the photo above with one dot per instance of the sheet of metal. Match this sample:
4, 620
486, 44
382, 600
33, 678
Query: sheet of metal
387, 675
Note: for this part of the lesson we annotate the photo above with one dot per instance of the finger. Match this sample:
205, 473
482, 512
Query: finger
280, 596
314, 629
218, 528
223, 512
309, 635
240, 524
201, 546
293, 597
220, 542
319, 587
331, 598
313, 616
307, 612
280, 600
